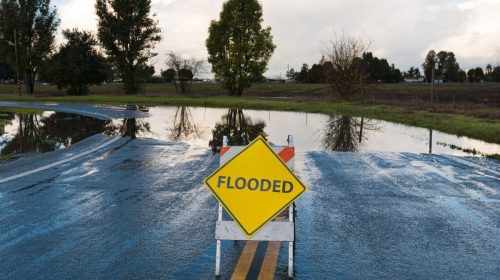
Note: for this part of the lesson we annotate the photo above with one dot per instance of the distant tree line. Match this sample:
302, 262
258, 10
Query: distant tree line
446, 69
374, 70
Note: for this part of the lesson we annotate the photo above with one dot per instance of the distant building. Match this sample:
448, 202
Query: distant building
414, 80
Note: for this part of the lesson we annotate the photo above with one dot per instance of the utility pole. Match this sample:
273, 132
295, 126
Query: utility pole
432, 86
430, 141
17, 64
361, 129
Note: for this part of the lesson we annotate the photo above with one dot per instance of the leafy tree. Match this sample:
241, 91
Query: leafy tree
238, 47
315, 74
471, 75
495, 75
445, 66
35, 23
145, 73
462, 76
303, 74
412, 73
169, 75
128, 31
430, 63
379, 70
448, 66
478, 74
77, 64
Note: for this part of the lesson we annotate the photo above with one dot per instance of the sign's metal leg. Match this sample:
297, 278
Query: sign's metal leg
291, 218
290, 244
290, 259
217, 259
218, 250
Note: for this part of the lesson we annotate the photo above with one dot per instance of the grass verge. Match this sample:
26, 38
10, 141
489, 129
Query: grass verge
458, 124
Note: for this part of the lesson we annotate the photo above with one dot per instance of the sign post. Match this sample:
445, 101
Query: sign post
255, 184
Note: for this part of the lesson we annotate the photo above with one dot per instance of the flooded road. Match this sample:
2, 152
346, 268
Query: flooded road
137, 209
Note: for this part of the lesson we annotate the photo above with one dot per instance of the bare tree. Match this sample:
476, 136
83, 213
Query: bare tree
344, 54
185, 70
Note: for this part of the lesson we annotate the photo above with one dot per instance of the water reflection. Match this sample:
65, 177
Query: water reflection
134, 127
345, 133
184, 128
38, 133
239, 129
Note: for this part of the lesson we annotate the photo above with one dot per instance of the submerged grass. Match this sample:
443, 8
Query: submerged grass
453, 123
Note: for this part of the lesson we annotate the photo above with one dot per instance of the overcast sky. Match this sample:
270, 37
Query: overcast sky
402, 31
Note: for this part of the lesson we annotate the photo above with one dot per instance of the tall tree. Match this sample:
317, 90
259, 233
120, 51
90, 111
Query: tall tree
35, 23
430, 63
128, 31
447, 66
303, 74
238, 47
77, 64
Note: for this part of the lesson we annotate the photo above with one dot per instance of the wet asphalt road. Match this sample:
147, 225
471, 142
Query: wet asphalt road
93, 111
138, 210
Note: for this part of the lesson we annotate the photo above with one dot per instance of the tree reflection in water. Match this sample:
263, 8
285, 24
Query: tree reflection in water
239, 129
134, 127
345, 133
43, 134
184, 127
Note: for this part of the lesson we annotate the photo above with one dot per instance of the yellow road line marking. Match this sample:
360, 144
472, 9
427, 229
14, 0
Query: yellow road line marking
245, 261
268, 268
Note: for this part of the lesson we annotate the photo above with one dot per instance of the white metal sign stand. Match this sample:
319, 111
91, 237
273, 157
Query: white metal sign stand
274, 231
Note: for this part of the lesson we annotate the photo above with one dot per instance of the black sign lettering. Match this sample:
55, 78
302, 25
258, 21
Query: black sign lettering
254, 184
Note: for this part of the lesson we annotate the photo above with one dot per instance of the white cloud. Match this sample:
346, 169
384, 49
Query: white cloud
400, 30
77, 13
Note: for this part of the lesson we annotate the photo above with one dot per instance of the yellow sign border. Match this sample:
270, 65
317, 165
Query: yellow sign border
250, 234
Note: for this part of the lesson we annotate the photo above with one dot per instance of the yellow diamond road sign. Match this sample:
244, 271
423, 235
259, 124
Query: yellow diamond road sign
255, 186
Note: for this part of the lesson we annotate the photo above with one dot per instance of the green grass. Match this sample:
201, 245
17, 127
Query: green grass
453, 123
494, 156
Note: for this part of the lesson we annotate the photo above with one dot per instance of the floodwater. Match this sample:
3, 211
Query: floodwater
48, 131
205, 127
138, 209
